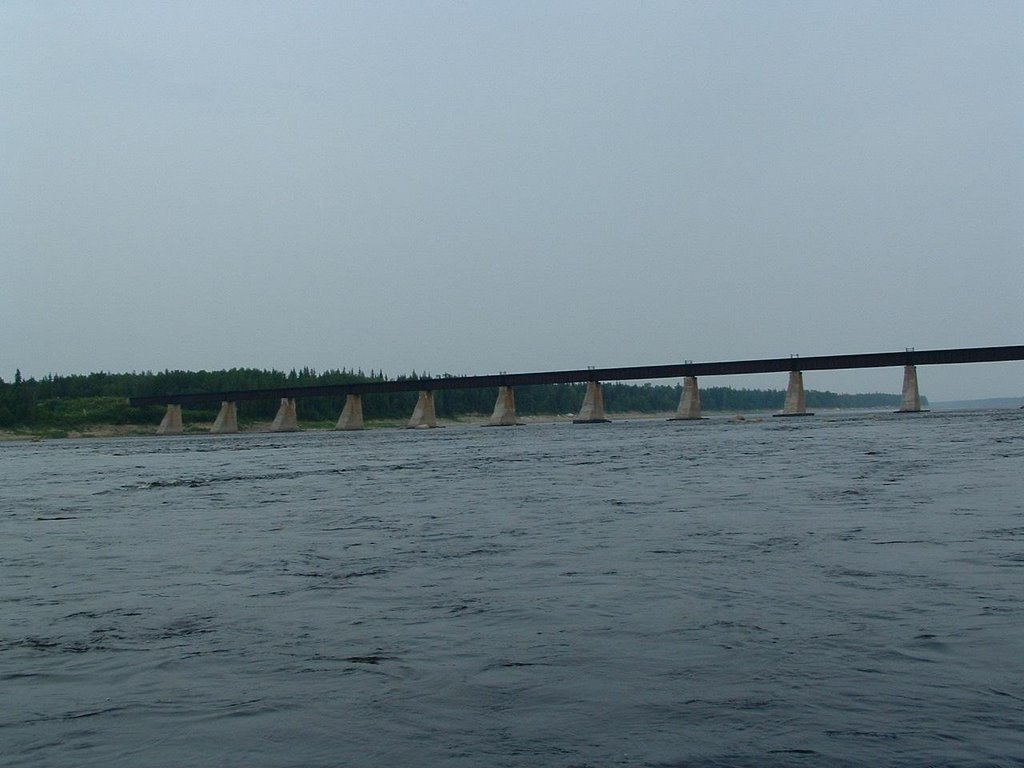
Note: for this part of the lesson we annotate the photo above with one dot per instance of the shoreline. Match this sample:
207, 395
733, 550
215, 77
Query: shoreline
100, 431
93, 431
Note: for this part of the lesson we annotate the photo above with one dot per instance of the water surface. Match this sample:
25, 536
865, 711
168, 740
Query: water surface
840, 590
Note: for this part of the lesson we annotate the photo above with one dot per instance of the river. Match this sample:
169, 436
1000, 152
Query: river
842, 590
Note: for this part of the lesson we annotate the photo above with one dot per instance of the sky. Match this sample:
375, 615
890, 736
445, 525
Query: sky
470, 188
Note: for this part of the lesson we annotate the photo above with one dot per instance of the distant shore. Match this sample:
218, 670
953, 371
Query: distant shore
468, 420
260, 427
100, 431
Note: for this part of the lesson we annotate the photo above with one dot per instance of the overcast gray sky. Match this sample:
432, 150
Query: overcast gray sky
511, 186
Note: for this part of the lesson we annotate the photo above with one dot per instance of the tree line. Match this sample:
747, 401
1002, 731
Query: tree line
101, 398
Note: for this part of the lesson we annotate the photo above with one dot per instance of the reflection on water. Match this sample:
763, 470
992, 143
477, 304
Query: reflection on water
842, 590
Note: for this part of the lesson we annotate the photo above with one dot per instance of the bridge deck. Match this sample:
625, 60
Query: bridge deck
630, 373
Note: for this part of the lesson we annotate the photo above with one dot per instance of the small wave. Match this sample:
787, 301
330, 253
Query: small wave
51, 645
186, 626
901, 541
739, 703
198, 482
862, 734
374, 658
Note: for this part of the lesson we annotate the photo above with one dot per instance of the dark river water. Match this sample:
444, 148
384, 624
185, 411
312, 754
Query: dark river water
836, 590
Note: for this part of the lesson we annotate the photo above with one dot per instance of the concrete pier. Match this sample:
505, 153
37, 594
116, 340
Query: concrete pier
796, 400
352, 414
423, 416
911, 402
171, 422
689, 401
504, 414
227, 420
592, 411
286, 419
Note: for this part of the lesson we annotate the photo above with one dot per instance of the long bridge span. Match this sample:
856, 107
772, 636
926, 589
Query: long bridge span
593, 406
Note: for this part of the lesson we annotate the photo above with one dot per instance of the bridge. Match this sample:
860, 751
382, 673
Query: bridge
592, 410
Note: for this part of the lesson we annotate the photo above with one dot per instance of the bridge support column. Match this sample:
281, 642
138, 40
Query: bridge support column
796, 400
911, 402
286, 419
227, 420
423, 416
352, 414
171, 422
504, 414
689, 401
592, 411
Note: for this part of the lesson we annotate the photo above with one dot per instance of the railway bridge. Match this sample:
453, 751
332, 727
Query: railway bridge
592, 411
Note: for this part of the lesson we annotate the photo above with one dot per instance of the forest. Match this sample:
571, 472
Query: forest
81, 400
